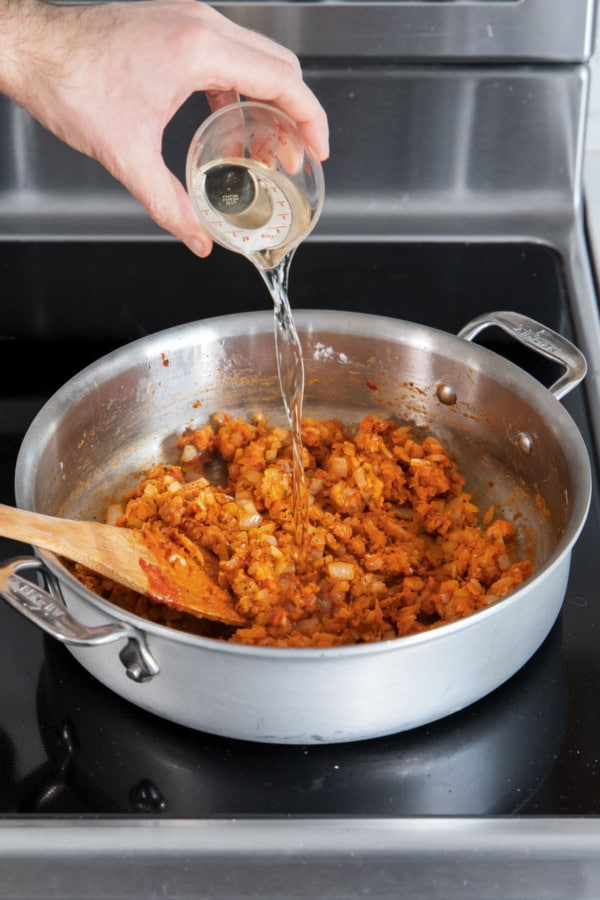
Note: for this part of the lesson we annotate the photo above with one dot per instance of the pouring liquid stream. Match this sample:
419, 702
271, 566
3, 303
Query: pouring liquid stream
290, 368
260, 213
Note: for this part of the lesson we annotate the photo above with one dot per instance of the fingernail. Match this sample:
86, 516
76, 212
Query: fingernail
198, 247
321, 151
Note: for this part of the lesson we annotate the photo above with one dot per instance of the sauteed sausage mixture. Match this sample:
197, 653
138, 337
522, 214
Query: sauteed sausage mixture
394, 543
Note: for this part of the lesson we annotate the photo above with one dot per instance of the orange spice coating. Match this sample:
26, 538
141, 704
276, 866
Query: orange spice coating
395, 545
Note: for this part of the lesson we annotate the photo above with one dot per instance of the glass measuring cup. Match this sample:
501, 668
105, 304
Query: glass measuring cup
254, 184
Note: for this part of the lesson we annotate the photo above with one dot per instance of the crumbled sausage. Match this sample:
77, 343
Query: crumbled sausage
394, 542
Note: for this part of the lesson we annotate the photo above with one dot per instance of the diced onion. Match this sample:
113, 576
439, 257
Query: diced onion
249, 517
338, 467
189, 453
341, 571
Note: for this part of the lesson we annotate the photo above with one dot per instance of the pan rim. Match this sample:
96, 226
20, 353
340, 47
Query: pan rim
339, 322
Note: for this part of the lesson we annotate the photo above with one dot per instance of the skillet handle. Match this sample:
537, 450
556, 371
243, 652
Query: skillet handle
539, 338
40, 607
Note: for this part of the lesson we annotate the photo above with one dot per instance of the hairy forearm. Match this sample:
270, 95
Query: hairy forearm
37, 40
21, 30
27, 47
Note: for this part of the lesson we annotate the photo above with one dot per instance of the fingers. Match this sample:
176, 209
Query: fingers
166, 201
219, 99
179, 218
263, 70
198, 246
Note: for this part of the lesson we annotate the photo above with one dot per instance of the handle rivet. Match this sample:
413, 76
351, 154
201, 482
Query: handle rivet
525, 443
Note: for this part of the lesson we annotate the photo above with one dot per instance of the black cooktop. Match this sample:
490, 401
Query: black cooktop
70, 746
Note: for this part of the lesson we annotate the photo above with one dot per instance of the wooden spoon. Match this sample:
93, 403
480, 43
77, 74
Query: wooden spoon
125, 556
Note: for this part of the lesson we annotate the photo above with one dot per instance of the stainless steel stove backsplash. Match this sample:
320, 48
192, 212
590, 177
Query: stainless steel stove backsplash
460, 150
446, 117
424, 30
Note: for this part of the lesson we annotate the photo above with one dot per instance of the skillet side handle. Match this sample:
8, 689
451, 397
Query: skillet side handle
40, 607
539, 338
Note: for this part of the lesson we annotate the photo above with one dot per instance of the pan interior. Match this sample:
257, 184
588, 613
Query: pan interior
99, 432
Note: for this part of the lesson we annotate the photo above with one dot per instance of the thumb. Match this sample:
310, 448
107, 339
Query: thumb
166, 201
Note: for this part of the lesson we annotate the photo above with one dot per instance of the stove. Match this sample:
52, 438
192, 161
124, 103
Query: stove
454, 189
71, 750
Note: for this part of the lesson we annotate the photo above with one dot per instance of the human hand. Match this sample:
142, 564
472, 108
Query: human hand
108, 78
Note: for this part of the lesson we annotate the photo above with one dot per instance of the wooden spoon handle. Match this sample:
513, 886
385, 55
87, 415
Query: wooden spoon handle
65, 537
122, 555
